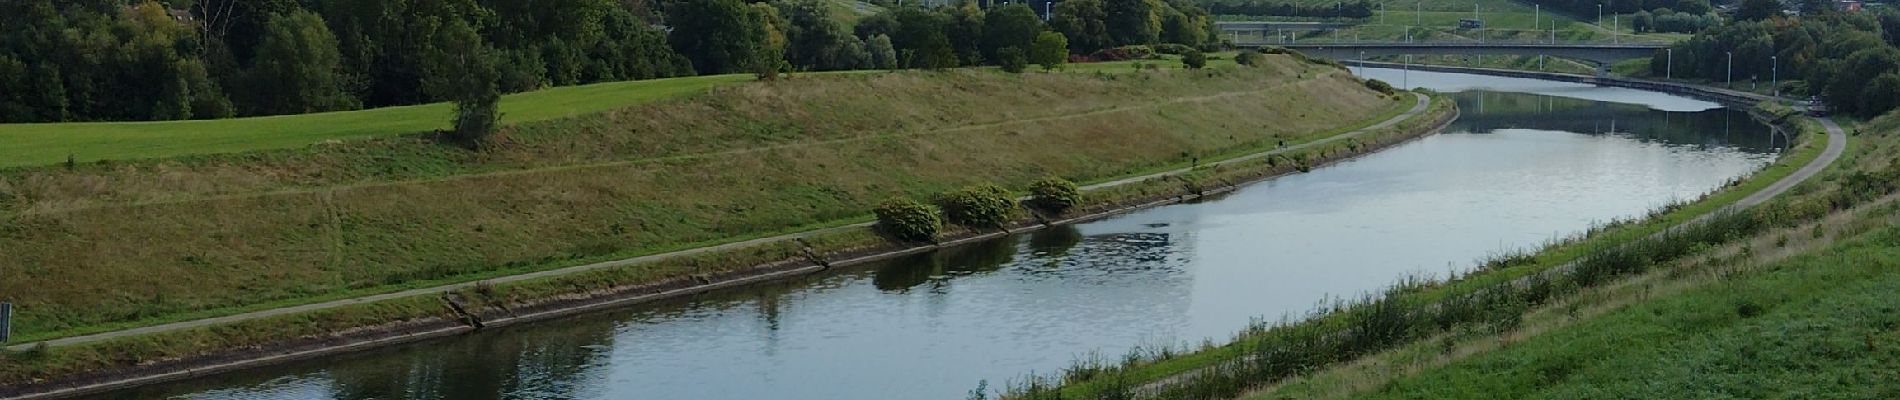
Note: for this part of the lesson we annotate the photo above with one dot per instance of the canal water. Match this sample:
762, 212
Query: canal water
1529, 161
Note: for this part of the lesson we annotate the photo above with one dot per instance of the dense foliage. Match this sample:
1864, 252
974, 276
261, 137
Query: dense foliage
1357, 9
908, 220
1841, 58
978, 206
1054, 195
1588, 10
1666, 20
111, 60
143, 60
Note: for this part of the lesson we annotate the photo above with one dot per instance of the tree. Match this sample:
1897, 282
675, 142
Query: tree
1178, 27
1131, 22
934, 53
462, 70
813, 38
1084, 24
298, 69
1194, 59
1050, 51
964, 30
719, 36
1012, 59
883, 55
768, 60
1009, 26
1757, 10
1882, 94
1640, 22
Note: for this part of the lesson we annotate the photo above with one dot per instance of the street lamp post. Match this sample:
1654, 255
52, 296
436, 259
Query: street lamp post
1731, 69
1774, 68
1417, 8
1537, 15
1669, 68
1599, 15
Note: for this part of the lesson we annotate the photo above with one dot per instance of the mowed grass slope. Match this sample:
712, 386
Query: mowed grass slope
1822, 325
43, 144
147, 242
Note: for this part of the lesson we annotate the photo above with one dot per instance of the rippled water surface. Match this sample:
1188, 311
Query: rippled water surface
1527, 162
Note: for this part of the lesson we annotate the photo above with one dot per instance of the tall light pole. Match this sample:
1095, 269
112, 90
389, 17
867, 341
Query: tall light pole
1774, 68
1599, 15
1417, 8
1731, 69
1669, 69
1048, 9
1616, 26
1537, 14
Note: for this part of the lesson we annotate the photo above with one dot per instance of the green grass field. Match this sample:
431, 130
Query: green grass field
1822, 325
43, 144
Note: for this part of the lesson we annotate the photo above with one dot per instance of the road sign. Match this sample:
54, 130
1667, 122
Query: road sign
6, 322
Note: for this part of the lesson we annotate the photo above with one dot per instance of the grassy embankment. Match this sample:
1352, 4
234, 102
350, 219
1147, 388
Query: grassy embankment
1805, 310
258, 230
1341, 321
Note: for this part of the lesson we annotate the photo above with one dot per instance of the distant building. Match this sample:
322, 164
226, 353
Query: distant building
1469, 23
1847, 6
182, 16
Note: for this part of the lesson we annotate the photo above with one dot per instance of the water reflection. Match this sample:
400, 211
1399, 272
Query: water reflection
1517, 169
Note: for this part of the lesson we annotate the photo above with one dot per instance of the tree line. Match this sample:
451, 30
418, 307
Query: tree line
1666, 20
1358, 9
119, 60
1587, 9
1851, 61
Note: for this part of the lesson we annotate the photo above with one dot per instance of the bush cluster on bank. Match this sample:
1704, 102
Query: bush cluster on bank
975, 206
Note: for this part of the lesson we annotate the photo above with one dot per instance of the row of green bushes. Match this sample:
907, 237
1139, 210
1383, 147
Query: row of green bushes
976, 206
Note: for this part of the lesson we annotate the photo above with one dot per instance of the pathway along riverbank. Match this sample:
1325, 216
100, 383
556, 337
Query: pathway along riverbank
406, 333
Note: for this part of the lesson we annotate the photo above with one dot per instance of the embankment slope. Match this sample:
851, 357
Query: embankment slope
110, 246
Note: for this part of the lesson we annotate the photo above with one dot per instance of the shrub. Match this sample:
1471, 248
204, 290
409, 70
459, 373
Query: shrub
1054, 195
1050, 50
1380, 86
1248, 58
1012, 59
1125, 53
1194, 59
980, 205
1173, 48
908, 220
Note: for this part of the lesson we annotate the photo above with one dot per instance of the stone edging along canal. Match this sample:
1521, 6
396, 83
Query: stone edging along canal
428, 328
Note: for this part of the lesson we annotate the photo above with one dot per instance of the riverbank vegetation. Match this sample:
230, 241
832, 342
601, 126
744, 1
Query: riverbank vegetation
1849, 60
1330, 346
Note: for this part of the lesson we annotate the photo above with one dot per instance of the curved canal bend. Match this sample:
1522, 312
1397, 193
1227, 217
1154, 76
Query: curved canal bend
1527, 162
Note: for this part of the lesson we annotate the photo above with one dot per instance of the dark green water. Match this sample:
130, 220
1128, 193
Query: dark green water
1528, 162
